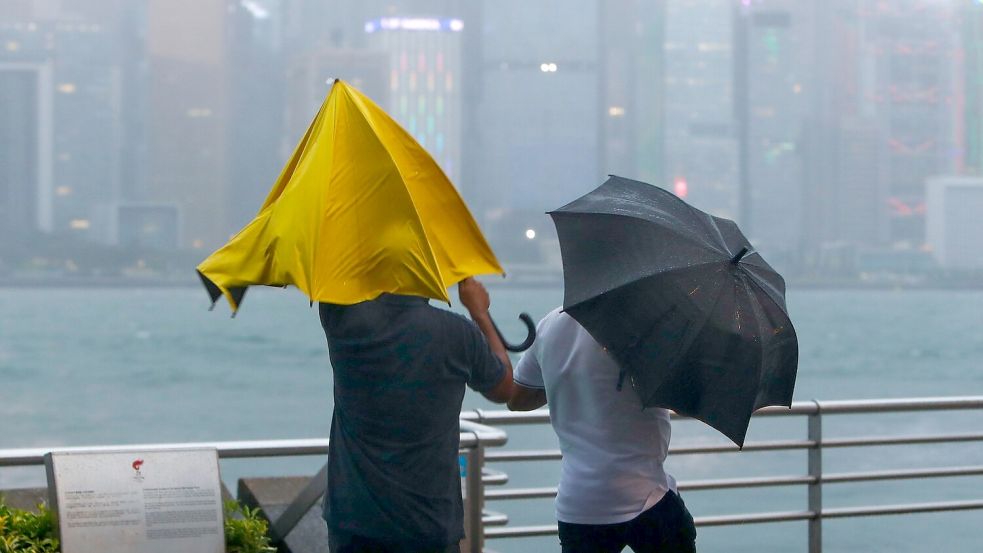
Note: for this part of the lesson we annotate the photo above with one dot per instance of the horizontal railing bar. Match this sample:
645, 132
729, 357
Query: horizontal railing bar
521, 531
777, 445
523, 455
757, 482
226, 450
471, 434
754, 518
521, 493
765, 481
551, 529
492, 518
902, 440
938, 472
490, 477
894, 405
501, 417
911, 508
757, 518
555, 455
693, 485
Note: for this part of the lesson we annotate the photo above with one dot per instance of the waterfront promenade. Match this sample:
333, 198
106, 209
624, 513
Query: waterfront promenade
292, 503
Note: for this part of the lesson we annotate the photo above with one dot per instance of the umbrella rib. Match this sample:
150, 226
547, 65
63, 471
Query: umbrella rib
770, 293
432, 258
716, 229
320, 220
716, 302
760, 316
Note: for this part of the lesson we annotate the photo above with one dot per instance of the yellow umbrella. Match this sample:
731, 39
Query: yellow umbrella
360, 209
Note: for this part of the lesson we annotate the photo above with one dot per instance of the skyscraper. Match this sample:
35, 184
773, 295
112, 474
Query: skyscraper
75, 56
884, 116
187, 114
257, 91
915, 99
25, 147
632, 88
424, 80
539, 108
700, 135
773, 42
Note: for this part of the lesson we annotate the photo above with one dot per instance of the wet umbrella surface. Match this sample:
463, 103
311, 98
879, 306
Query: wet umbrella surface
694, 316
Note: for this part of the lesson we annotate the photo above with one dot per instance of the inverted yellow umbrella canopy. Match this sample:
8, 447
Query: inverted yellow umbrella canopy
359, 210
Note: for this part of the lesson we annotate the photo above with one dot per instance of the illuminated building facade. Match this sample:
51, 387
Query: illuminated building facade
773, 81
424, 88
917, 104
889, 115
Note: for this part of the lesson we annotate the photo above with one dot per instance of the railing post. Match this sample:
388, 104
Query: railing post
474, 497
816, 472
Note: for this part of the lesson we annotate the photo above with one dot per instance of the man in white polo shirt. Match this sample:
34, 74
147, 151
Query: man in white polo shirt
613, 489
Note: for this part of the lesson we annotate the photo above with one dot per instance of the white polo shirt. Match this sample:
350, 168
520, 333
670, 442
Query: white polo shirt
613, 450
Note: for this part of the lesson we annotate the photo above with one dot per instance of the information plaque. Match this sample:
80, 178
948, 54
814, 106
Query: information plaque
161, 501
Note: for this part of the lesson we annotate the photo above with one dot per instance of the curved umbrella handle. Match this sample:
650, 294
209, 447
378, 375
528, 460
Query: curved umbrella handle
530, 336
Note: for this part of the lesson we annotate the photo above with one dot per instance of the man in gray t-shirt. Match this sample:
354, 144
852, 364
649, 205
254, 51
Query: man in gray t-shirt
400, 369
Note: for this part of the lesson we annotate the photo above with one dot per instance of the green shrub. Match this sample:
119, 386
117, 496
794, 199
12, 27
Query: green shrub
29, 532
245, 530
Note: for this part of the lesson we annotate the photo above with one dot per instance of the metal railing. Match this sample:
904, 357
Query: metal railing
814, 478
474, 438
477, 434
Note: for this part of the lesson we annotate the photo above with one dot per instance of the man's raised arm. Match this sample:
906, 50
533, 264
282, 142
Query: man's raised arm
475, 299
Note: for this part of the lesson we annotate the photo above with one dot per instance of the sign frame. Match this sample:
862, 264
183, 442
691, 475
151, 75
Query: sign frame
137, 500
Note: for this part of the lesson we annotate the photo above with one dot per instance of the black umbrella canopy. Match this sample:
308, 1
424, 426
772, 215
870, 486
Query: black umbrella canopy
695, 317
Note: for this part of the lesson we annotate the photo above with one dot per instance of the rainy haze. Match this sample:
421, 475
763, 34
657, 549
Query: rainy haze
844, 137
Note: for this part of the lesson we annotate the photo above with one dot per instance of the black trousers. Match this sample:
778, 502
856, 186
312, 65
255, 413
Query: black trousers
342, 542
667, 527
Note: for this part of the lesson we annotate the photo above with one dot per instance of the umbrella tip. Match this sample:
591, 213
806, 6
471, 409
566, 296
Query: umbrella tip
739, 255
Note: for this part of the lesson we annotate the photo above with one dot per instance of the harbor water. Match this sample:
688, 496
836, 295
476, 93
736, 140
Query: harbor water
122, 366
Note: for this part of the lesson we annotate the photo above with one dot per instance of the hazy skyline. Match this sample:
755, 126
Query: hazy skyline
815, 125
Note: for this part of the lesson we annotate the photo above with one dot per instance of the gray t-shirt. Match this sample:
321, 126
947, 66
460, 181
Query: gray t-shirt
400, 369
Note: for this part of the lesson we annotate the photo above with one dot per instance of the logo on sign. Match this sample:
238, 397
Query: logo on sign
137, 463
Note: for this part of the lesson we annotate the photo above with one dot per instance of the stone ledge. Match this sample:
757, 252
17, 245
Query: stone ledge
25, 499
272, 496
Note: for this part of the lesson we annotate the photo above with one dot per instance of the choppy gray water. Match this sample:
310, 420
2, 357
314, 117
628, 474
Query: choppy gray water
95, 366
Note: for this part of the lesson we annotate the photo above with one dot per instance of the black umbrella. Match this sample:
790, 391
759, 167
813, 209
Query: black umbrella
694, 316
